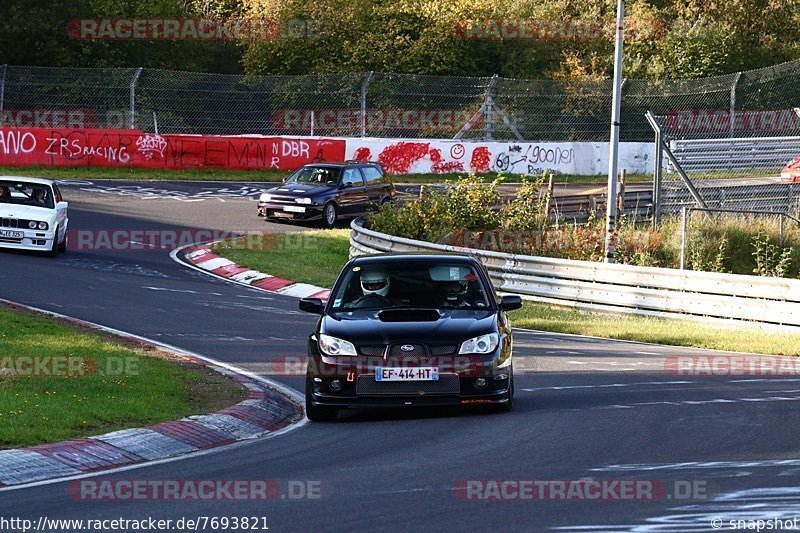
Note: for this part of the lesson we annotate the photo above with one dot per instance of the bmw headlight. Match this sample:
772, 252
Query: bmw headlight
306, 201
333, 346
43, 225
483, 344
264, 197
32, 224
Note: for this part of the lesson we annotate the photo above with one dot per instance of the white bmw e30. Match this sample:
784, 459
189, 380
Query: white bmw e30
33, 215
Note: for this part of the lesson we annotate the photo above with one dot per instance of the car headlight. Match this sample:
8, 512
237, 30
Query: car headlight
303, 200
483, 344
265, 197
42, 225
333, 346
32, 224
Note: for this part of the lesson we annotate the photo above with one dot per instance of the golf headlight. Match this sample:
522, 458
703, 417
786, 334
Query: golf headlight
306, 201
483, 344
265, 197
42, 225
333, 346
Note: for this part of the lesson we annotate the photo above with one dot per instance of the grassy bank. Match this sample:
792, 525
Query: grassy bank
90, 383
97, 173
314, 256
317, 256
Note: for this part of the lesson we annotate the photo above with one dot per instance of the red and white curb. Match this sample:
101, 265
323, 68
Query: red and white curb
202, 257
270, 409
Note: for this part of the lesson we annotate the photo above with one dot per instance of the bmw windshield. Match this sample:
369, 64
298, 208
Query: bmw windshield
328, 176
32, 194
439, 285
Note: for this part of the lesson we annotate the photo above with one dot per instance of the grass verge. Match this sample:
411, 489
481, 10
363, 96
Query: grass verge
114, 385
99, 173
317, 257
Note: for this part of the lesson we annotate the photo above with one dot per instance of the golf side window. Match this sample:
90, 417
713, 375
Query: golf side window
352, 177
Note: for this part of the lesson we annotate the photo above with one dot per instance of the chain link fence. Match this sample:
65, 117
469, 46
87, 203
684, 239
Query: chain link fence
396, 105
734, 160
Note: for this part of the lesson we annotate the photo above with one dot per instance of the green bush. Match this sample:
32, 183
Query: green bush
470, 204
526, 210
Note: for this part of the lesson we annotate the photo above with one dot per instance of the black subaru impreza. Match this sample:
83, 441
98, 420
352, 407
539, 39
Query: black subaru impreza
410, 330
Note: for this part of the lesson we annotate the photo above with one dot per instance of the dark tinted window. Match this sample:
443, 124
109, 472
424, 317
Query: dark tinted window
372, 175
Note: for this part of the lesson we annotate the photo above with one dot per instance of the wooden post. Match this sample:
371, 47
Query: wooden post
621, 195
548, 200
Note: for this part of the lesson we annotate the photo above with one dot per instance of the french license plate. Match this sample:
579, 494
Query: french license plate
294, 209
383, 373
11, 234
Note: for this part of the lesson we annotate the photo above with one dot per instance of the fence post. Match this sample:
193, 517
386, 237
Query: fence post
488, 109
364, 85
135, 78
621, 194
683, 237
3, 88
732, 115
658, 161
548, 200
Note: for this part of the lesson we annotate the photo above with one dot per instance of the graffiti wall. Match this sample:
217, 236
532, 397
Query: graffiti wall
439, 156
65, 147
131, 148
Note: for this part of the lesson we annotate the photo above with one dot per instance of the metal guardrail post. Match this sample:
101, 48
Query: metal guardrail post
658, 161
732, 115
136, 75
364, 86
3, 87
684, 222
488, 111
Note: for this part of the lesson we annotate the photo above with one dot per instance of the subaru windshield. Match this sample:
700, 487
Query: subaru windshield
438, 285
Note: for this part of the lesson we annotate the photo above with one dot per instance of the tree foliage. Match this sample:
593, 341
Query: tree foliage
694, 38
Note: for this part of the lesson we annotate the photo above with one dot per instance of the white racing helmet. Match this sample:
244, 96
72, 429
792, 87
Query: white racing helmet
375, 282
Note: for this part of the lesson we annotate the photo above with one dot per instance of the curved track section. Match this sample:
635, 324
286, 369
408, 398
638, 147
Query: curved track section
587, 409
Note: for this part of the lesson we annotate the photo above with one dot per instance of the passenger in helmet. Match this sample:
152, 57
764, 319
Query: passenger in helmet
455, 293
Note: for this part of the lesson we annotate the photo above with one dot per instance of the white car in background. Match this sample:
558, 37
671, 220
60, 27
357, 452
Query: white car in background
33, 215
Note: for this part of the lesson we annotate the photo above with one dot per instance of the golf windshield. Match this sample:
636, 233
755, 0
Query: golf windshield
328, 176
437, 285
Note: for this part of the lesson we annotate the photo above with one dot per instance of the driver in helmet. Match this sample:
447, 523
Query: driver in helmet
375, 282
375, 288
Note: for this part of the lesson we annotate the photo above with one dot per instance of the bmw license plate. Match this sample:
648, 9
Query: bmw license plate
294, 209
11, 234
428, 373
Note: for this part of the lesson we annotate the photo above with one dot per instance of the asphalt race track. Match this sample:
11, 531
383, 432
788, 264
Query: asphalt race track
586, 409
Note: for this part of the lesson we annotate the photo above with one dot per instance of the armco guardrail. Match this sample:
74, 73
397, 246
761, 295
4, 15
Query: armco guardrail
618, 288
780, 197
734, 154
